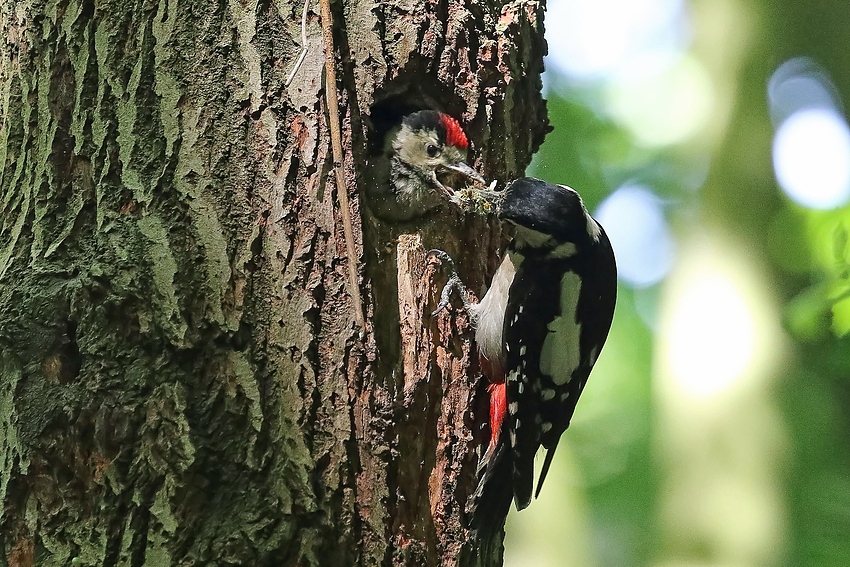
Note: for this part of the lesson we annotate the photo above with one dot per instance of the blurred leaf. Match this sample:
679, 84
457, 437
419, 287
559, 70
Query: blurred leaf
807, 315
829, 232
841, 314
788, 242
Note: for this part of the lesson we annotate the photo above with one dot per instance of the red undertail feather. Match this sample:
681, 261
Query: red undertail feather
498, 410
454, 133
488, 506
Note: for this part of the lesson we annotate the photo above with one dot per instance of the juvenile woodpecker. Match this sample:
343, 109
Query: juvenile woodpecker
539, 329
420, 169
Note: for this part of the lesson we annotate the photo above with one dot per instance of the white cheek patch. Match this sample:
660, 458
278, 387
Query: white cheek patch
561, 351
593, 228
529, 237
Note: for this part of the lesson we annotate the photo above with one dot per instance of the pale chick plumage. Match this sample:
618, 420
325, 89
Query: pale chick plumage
425, 165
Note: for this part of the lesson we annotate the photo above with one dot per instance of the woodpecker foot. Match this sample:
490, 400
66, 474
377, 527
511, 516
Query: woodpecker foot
453, 283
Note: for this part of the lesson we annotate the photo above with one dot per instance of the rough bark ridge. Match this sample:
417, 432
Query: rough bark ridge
181, 378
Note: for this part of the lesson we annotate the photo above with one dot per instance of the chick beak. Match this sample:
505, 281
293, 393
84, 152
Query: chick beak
462, 169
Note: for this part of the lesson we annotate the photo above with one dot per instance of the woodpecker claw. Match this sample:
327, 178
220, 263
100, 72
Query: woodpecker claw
452, 283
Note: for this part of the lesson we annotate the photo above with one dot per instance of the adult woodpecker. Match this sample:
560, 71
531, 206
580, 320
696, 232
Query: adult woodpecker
424, 163
539, 329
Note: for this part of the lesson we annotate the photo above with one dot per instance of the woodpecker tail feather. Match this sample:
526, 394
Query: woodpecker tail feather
550, 452
488, 506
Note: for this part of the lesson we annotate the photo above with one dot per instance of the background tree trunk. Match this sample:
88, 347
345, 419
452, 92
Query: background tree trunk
182, 378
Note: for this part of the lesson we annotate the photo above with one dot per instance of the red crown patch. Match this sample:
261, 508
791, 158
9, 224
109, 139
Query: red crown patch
454, 133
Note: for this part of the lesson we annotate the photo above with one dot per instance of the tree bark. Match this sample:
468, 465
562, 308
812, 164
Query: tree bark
182, 377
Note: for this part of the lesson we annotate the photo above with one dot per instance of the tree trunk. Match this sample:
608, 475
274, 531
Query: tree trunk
183, 377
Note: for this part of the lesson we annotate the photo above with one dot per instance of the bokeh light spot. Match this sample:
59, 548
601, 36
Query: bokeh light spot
712, 335
642, 242
798, 84
811, 158
598, 38
662, 101
719, 328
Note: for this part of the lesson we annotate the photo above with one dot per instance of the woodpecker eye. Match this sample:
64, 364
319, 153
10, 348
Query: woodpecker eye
432, 150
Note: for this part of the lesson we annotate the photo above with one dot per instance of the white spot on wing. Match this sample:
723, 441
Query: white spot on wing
561, 351
594, 353
545, 427
521, 387
548, 394
513, 407
523, 350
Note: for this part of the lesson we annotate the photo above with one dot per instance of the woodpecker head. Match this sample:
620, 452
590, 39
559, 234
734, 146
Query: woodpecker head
429, 154
547, 215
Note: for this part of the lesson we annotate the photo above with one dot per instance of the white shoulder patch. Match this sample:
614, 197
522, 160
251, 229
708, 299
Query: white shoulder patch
565, 250
561, 351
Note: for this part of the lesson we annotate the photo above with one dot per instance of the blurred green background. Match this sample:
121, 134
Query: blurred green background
710, 139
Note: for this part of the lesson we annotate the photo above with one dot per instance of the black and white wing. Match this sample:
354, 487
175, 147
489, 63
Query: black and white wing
557, 319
